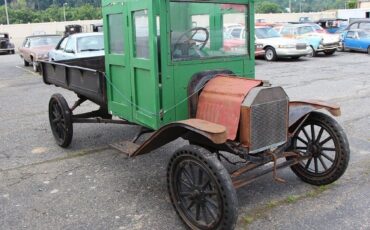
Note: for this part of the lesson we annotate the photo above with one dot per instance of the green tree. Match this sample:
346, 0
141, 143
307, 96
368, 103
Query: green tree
268, 7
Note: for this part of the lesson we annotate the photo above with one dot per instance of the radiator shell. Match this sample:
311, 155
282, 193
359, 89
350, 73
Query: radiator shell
264, 119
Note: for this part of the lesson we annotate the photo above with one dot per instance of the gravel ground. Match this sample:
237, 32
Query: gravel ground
91, 186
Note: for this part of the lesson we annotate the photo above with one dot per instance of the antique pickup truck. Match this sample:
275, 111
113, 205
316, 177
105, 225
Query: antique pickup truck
165, 69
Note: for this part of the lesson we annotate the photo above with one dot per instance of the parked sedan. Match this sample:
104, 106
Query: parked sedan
276, 46
318, 41
36, 48
273, 44
79, 45
358, 40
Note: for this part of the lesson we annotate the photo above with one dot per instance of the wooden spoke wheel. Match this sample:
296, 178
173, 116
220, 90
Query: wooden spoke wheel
201, 189
60, 117
322, 138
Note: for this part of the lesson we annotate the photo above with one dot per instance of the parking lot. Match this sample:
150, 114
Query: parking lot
92, 186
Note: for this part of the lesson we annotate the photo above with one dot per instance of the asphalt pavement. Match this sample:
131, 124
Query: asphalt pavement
92, 186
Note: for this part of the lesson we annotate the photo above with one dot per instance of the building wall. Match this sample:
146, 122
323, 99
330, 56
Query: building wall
18, 32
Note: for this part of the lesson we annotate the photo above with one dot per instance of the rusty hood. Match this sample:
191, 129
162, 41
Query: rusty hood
221, 99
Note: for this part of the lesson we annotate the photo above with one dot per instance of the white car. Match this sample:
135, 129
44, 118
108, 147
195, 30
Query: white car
274, 44
78, 45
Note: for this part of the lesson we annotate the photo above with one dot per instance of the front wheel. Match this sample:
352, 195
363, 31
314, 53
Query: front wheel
312, 52
60, 118
329, 52
201, 189
26, 63
324, 140
270, 54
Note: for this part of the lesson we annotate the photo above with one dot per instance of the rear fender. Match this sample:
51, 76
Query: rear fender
299, 110
197, 131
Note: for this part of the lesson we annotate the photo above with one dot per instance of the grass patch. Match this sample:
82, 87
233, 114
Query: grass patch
261, 212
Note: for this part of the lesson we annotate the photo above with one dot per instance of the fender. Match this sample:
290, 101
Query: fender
299, 109
208, 133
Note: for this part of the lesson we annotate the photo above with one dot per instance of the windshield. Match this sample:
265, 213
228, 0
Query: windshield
266, 32
195, 33
363, 34
44, 41
90, 43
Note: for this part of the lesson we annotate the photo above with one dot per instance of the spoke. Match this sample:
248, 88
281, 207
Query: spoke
185, 183
188, 177
308, 163
197, 212
325, 141
323, 163
185, 194
211, 213
190, 205
212, 202
204, 211
301, 148
210, 193
303, 141
320, 134
200, 176
313, 132
316, 165
306, 134
56, 120
205, 185
192, 172
329, 149
327, 157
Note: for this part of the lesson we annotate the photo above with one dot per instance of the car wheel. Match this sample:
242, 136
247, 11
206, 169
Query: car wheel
26, 63
312, 52
270, 54
35, 66
295, 58
329, 52
368, 50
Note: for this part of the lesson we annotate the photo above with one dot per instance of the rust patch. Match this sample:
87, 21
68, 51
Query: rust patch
221, 99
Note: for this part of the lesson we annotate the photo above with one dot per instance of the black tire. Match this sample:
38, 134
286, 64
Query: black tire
204, 198
13, 51
60, 118
295, 58
270, 54
329, 52
26, 63
323, 137
313, 52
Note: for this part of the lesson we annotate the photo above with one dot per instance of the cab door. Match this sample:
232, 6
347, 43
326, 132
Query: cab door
117, 60
144, 63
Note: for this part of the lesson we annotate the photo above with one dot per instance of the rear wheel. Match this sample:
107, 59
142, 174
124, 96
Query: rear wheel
329, 52
201, 189
26, 63
270, 54
323, 138
60, 118
312, 52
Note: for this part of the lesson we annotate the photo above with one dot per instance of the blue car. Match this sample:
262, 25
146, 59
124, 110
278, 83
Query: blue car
358, 40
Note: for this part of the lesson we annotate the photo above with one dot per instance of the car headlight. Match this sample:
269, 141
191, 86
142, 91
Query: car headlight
259, 46
287, 46
42, 56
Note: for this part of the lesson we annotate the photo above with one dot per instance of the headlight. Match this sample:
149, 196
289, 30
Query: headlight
259, 46
287, 46
42, 56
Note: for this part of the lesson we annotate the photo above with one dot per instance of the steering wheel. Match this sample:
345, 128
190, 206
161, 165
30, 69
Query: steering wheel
185, 45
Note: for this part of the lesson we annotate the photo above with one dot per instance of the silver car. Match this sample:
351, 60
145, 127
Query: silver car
78, 45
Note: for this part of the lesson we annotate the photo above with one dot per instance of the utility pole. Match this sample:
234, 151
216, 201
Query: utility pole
6, 12
290, 6
64, 10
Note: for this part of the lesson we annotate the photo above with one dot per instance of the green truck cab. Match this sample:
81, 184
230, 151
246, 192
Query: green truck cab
166, 70
152, 55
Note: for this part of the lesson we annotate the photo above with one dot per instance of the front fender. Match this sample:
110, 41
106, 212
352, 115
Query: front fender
299, 109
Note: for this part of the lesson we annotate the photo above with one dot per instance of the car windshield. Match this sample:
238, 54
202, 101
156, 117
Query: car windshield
44, 41
195, 35
363, 34
90, 43
266, 32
